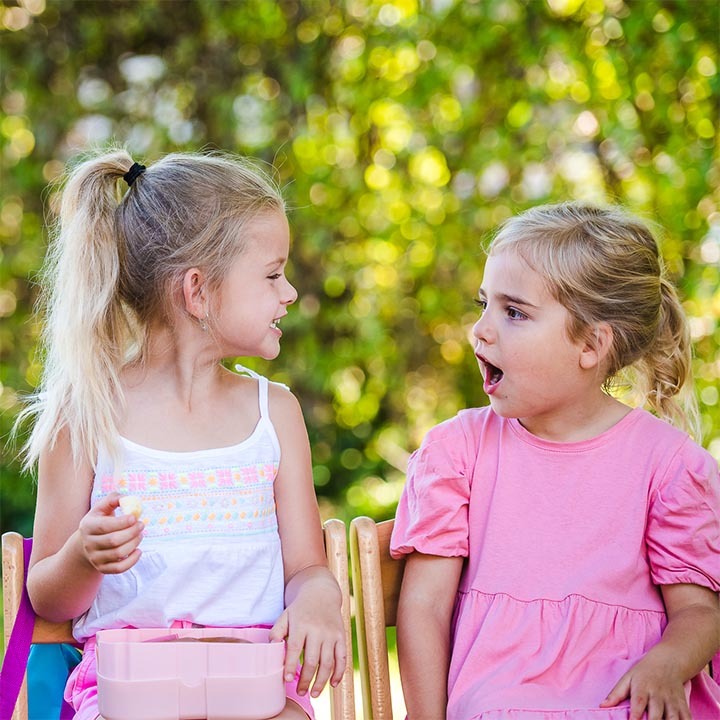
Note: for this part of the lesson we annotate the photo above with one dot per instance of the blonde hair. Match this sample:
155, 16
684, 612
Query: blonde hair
115, 264
603, 265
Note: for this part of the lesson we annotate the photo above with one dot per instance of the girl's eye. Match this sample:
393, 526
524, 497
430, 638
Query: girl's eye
482, 304
515, 314
274, 276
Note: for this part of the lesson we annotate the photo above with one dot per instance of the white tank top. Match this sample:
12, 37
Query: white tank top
211, 550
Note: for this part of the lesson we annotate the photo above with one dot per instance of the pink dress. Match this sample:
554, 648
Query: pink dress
566, 546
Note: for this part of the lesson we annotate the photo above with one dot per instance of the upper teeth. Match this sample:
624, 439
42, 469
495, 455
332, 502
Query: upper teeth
274, 323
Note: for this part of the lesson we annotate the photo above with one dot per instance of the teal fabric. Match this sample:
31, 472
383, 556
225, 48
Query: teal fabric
47, 671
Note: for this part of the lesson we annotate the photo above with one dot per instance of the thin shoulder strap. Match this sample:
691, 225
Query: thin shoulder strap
263, 383
263, 396
262, 389
246, 371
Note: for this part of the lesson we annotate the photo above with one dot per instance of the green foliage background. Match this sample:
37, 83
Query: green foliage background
404, 131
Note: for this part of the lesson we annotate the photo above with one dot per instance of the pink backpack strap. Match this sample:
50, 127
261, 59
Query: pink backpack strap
18, 649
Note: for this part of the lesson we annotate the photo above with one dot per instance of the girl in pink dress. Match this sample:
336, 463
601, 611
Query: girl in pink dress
563, 549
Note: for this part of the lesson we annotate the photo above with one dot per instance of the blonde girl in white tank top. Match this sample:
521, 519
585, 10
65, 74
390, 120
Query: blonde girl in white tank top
148, 286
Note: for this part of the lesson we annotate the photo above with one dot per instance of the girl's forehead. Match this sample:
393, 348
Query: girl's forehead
508, 266
507, 273
264, 245
267, 232
267, 221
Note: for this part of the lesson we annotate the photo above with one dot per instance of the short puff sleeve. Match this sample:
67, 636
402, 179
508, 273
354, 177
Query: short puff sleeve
683, 530
432, 515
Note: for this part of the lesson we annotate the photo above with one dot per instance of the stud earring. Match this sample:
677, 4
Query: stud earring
203, 324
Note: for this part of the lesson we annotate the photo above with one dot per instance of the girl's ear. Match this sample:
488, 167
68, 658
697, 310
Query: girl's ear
195, 293
597, 346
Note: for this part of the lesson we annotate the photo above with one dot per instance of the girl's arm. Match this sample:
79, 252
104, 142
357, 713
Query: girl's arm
690, 640
73, 547
427, 599
312, 621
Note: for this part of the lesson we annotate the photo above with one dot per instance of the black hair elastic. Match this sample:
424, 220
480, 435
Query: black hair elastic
133, 173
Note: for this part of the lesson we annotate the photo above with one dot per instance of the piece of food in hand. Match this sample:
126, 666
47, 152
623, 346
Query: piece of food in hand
131, 505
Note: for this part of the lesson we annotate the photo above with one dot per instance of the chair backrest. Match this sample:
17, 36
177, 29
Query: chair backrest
376, 586
342, 697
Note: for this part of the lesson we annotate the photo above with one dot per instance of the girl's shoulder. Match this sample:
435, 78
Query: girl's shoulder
283, 408
457, 441
660, 438
275, 399
469, 424
281, 399
247, 377
667, 455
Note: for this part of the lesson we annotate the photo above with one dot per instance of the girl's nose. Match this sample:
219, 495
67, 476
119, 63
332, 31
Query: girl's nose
482, 329
291, 295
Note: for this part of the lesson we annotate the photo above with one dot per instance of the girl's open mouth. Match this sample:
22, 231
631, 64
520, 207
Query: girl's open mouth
492, 375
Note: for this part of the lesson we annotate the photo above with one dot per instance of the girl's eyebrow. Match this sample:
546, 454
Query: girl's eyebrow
504, 297
275, 263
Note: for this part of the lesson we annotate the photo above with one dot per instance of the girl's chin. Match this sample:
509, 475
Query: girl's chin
500, 407
270, 355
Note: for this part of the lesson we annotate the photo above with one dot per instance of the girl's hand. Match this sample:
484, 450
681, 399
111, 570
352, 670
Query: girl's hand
110, 542
653, 686
312, 625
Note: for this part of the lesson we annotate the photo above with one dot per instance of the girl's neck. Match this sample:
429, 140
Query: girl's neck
180, 398
582, 422
176, 362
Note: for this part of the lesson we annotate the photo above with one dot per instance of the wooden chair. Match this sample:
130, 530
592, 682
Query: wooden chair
342, 698
376, 587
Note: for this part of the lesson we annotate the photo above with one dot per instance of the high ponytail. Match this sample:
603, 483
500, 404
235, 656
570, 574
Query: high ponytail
86, 326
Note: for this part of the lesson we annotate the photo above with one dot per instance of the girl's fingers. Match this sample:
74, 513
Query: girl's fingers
129, 531
114, 568
293, 648
619, 693
323, 656
340, 664
107, 504
327, 663
122, 550
108, 553
311, 660
104, 510
638, 705
280, 629
101, 520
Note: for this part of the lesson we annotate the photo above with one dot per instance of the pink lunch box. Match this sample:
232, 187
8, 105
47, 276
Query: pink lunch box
153, 674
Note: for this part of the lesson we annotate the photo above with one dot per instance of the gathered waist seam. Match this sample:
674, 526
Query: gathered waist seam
557, 601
